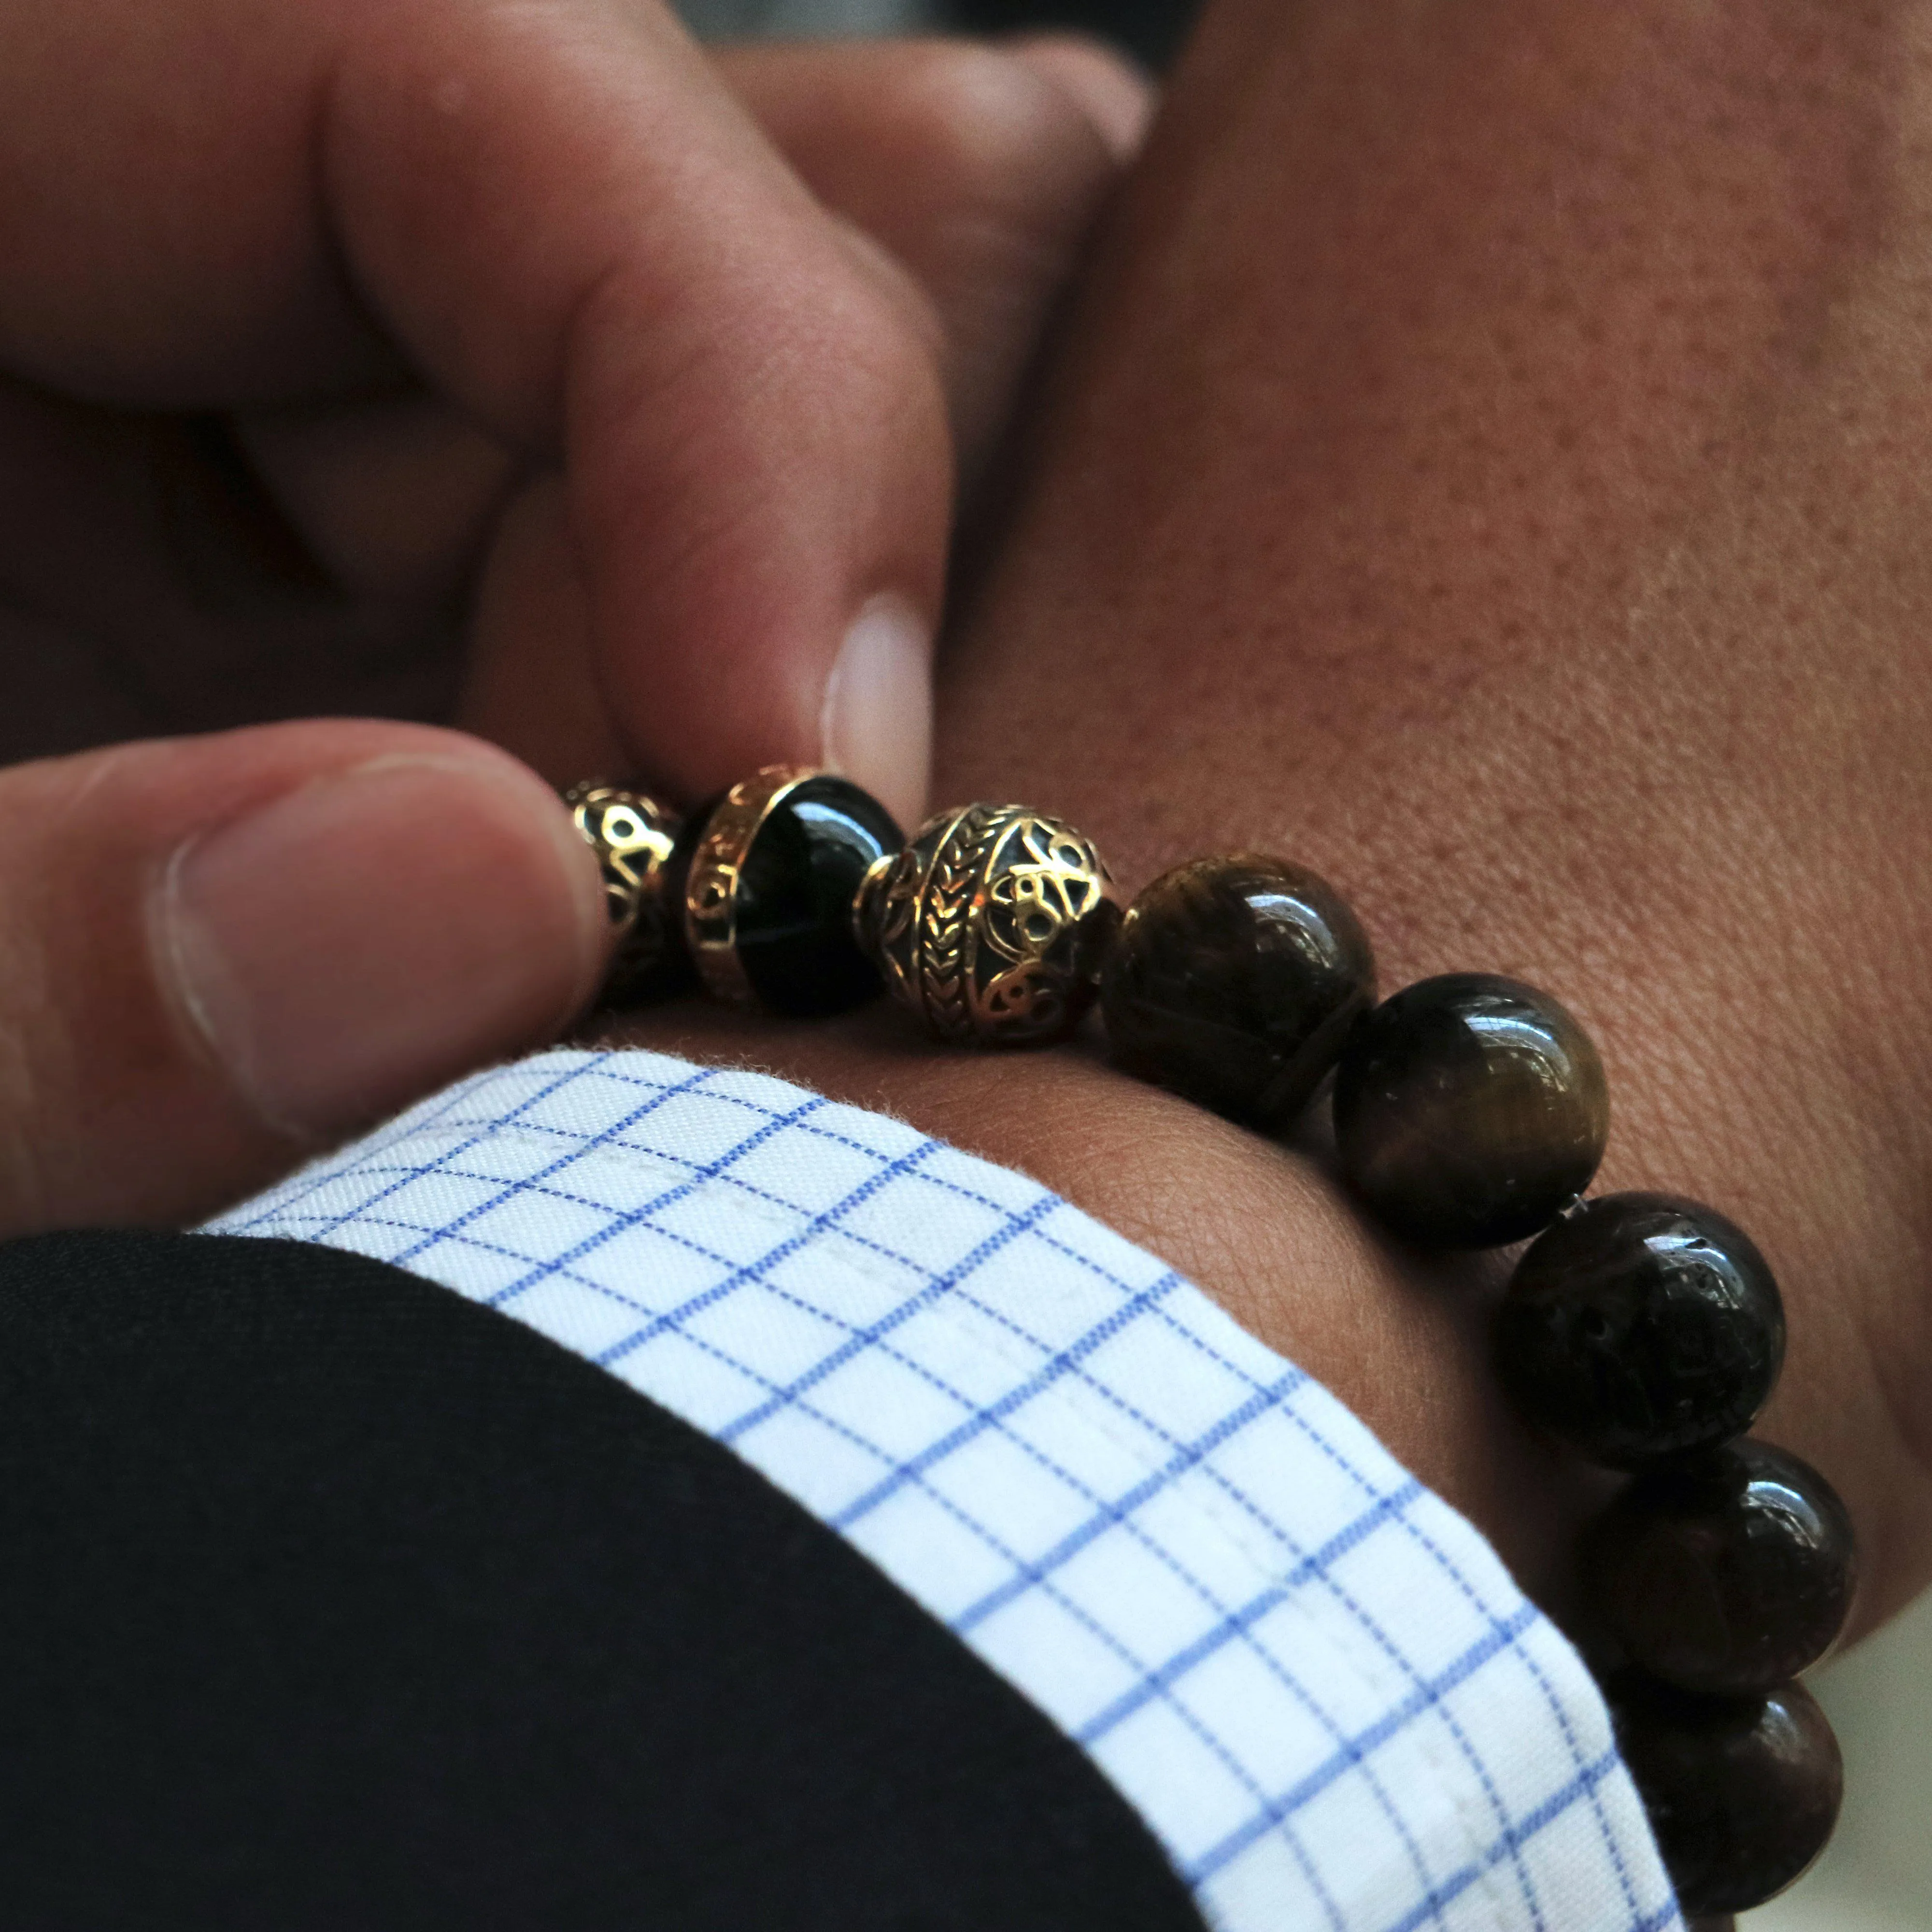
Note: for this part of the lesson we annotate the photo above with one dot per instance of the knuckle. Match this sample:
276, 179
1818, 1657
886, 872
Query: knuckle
807, 323
840, 343
988, 132
818, 372
873, 329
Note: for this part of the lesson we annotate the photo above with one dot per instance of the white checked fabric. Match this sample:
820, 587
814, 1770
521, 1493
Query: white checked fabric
1315, 1681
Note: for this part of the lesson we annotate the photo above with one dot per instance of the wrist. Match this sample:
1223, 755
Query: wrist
1263, 1229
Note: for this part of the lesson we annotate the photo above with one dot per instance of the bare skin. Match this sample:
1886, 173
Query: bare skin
1486, 463
1489, 464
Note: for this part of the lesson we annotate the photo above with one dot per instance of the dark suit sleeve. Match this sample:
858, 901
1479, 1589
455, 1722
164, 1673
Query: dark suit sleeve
330, 1600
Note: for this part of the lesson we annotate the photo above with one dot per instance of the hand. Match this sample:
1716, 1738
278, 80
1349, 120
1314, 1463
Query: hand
456, 360
1489, 463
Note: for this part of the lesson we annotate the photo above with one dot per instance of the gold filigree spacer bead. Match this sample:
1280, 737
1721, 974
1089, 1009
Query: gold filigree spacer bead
633, 834
991, 926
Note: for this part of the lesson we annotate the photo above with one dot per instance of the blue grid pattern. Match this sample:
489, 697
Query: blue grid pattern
1315, 1681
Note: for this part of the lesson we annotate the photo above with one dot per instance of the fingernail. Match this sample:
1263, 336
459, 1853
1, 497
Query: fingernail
876, 722
346, 947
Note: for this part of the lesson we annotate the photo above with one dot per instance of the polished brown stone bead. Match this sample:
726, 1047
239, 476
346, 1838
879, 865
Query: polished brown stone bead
1742, 1792
1642, 1326
1234, 981
1470, 1110
1727, 1572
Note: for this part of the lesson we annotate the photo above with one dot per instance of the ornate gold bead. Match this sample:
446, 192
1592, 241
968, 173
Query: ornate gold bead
991, 925
632, 835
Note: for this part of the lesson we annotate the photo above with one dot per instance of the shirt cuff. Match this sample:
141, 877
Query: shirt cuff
1315, 1681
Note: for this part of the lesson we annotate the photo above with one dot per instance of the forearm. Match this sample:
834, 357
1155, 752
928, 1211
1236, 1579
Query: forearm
1485, 465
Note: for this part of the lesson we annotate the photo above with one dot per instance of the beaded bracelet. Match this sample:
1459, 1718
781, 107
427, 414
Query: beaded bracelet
1644, 1331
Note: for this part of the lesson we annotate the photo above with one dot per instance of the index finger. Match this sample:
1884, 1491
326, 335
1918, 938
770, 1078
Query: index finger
561, 219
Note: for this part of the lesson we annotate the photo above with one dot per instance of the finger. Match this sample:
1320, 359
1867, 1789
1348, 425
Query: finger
980, 168
530, 680
594, 249
566, 225
176, 598
221, 951
392, 496
1116, 97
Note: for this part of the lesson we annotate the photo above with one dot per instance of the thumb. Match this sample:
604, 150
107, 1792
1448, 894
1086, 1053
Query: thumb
221, 952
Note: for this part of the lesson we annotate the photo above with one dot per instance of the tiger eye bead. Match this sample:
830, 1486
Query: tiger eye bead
1469, 1110
1641, 1327
1741, 1792
1234, 981
1727, 1572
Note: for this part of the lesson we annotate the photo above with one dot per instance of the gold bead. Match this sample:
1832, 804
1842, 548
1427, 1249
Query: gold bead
991, 925
632, 835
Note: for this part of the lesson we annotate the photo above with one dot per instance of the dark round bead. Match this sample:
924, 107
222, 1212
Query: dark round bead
791, 888
1234, 981
1727, 1573
1742, 1792
1641, 1327
1470, 1110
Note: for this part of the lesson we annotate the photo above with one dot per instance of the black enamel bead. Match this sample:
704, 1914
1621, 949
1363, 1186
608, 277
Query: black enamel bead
1727, 1572
1741, 1792
1234, 981
1642, 1326
767, 876
1469, 1110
